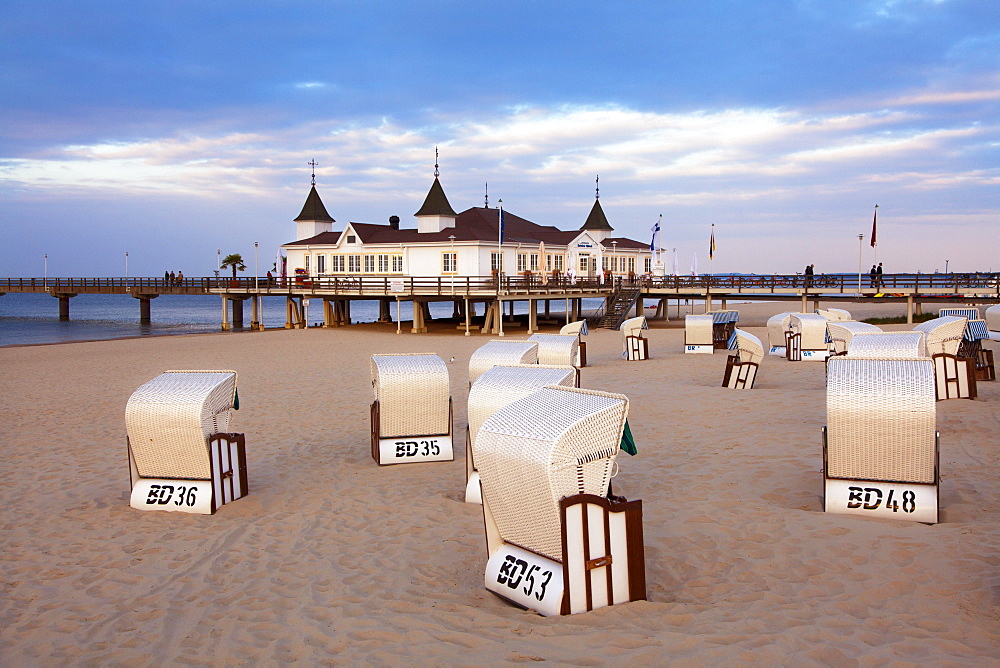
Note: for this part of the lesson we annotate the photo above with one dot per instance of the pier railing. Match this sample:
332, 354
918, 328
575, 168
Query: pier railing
981, 283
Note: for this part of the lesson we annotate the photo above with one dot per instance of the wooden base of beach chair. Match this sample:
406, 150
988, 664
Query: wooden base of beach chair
814, 355
896, 500
739, 375
793, 347
954, 377
721, 331
778, 351
699, 349
603, 561
984, 365
636, 348
581, 356
411, 449
203, 497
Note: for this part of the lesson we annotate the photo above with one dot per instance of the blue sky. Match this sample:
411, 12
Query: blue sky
172, 129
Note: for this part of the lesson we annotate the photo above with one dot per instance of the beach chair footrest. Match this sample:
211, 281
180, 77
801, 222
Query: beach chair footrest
411, 449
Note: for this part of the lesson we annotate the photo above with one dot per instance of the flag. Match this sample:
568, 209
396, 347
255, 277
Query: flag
694, 264
711, 244
675, 263
628, 442
655, 242
874, 224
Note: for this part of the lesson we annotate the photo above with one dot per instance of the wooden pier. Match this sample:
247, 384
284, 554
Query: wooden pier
497, 296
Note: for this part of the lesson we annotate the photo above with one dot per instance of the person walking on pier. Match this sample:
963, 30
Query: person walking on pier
878, 276
873, 277
809, 275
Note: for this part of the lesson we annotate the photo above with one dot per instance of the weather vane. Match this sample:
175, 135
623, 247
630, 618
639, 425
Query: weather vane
313, 164
487, 198
597, 193
437, 172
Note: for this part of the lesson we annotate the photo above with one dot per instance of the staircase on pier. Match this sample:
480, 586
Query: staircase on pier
618, 305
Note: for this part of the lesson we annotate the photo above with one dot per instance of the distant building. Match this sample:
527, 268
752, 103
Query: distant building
445, 243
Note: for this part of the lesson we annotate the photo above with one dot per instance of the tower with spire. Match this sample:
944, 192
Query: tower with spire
436, 213
313, 219
597, 223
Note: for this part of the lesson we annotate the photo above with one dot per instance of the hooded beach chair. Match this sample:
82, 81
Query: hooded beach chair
880, 444
557, 543
497, 387
181, 454
777, 328
698, 334
501, 351
578, 329
636, 347
841, 332
723, 326
992, 317
834, 314
557, 349
976, 332
412, 414
896, 345
806, 338
741, 368
954, 368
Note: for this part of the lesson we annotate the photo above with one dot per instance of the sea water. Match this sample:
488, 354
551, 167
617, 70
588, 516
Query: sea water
33, 318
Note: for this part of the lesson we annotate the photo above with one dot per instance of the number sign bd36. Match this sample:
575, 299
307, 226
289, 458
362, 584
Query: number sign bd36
411, 449
890, 500
186, 496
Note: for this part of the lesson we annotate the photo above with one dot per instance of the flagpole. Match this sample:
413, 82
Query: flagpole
500, 265
874, 237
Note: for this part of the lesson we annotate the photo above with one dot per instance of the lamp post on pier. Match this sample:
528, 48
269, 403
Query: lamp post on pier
126, 266
860, 249
45, 271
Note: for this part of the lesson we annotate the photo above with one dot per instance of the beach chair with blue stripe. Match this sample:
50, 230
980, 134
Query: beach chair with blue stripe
972, 346
558, 542
741, 368
411, 417
181, 454
880, 443
578, 329
499, 386
723, 326
636, 346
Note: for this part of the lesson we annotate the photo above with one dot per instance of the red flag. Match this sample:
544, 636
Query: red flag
874, 224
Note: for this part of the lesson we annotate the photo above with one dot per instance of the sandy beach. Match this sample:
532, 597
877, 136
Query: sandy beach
333, 559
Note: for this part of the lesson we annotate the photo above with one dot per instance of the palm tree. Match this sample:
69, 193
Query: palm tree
235, 261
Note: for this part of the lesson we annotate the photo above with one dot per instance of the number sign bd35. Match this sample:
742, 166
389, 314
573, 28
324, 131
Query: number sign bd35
411, 449
891, 500
186, 496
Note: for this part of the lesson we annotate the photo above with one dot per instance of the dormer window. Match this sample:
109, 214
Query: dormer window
351, 239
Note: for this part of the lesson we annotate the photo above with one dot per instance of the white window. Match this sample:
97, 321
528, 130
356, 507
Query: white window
522, 262
369, 264
383, 264
648, 263
449, 263
337, 262
534, 262
584, 264
548, 262
631, 264
496, 262
354, 264
320, 264
306, 261
397, 263
558, 262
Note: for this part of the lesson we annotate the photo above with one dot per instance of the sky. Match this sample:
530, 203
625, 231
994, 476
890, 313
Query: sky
173, 131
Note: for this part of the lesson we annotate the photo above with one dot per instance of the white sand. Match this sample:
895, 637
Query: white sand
334, 559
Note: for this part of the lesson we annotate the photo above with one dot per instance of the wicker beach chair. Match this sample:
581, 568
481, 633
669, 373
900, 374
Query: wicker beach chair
841, 332
557, 544
880, 445
412, 413
557, 349
578, 329
741, 368
972, 347
888, 345
501, 351
497, 387
806, 338
835, 314
636, 347
699, 334
969, 313
777, 328
992, 317
181, 454
944, 334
